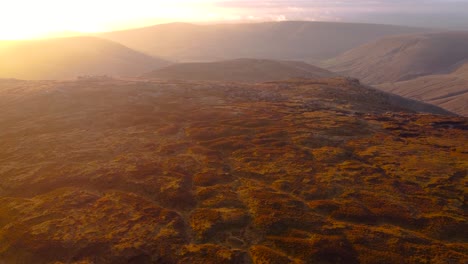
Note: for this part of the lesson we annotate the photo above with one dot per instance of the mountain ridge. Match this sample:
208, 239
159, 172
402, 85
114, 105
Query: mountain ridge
429, 67
449, 91
295, 40
68, 58
405, 57
239, 70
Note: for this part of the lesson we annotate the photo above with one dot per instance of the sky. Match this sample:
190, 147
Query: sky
22, 19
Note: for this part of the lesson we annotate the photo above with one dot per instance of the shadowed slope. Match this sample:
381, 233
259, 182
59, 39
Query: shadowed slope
305, 41
403, 57
449, 91
240, 70
66, 58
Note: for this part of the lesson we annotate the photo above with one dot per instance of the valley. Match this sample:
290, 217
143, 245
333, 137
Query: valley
427, 67
263, 141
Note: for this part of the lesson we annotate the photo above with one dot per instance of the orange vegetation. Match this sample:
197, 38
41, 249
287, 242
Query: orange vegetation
320, 171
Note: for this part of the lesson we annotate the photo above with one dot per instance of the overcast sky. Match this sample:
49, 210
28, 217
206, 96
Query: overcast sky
440, 13
36, 18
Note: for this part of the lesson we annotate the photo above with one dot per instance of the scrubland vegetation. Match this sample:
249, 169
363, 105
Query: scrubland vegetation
300, 171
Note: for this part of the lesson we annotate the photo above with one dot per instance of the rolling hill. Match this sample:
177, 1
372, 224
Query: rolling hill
298, 171
67, 58
449, 91
304, 41
239, 70
402, 58
428, 67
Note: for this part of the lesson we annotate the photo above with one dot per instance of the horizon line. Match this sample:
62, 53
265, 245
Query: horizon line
72, 33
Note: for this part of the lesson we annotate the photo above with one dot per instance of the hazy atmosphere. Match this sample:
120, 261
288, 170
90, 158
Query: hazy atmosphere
64, 18
233, 132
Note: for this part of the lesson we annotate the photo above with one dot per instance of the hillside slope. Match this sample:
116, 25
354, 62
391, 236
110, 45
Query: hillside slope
67, 58
306, 171
240, 70
305, 41
403, 58
449, 91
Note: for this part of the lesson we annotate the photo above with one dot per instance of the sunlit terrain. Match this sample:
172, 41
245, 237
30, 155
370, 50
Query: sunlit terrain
108, 171
233, 132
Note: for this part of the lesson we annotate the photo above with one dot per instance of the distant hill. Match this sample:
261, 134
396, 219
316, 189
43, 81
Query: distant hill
403, 58
449, 91
305, 41
65, 58
240, 70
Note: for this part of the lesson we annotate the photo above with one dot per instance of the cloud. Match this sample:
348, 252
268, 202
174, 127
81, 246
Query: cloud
443, 13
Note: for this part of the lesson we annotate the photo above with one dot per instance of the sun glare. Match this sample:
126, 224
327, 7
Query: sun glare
25, 19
